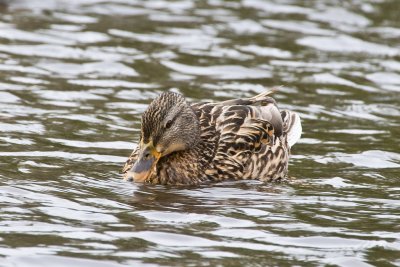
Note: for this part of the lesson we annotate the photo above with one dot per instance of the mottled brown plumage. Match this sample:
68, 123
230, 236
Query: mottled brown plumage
184, 143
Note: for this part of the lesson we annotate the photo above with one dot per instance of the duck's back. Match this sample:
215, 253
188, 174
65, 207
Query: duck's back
248, 138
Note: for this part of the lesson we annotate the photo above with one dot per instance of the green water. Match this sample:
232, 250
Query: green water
75, 77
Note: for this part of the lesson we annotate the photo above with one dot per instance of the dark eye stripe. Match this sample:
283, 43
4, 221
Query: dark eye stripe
168, 124
171, 121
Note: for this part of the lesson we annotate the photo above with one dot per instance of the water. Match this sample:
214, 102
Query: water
75, 77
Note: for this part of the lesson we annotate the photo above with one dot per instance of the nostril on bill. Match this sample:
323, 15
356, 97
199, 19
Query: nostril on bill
146, 155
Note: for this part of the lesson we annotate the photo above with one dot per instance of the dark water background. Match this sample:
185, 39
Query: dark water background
75, 76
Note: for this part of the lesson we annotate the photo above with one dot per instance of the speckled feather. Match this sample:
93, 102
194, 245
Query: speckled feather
240, 139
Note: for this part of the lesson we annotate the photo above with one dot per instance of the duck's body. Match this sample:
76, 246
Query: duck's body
236, 139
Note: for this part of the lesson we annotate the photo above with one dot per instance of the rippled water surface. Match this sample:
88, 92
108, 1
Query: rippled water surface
75, 76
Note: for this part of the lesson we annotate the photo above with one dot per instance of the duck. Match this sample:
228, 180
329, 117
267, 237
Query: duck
184, 143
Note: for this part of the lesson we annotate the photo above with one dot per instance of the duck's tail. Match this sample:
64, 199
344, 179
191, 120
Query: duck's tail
264, 95
291, 126
262, 99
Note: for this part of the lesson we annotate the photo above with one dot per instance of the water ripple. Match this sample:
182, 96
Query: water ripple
219, 72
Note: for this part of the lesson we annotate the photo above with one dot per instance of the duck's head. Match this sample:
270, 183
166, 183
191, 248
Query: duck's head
168, 125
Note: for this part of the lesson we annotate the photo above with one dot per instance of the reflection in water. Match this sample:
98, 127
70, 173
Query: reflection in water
76, 76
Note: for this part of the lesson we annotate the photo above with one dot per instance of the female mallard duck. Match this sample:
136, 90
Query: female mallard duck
182, 143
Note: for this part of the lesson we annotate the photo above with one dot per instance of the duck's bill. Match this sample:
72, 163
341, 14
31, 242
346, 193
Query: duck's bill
144, 166
142, 169
139, 172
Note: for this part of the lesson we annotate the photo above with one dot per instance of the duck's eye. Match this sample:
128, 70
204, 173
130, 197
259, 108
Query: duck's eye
168, 124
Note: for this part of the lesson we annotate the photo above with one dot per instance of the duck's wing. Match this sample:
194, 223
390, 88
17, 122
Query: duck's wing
242, 131
285, 122
261, 106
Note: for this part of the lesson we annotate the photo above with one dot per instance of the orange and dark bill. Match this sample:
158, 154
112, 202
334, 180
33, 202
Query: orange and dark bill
145, 164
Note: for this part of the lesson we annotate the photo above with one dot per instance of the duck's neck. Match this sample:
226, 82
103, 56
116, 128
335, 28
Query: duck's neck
188, 166
182, 167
